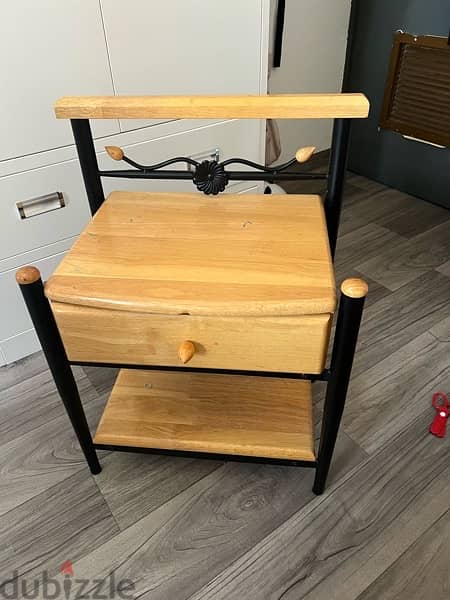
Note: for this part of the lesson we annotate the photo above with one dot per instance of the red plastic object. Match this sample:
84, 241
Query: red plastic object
442, 406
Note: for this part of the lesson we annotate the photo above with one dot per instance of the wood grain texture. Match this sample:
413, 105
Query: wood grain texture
18, 372
335, 537
354, 575
445, 268
28, 396
420, 572
397, 390
290, 344
43, 457
134, 485
180, 546
281, 106
371, 202
176, 253
360, 245
60, 522
401, 263
210, 413
397, 319
441, 331
407, 215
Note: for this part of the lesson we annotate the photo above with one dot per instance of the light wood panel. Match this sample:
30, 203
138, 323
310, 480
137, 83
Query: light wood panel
291, 344
281, 106
210, 413
232, 255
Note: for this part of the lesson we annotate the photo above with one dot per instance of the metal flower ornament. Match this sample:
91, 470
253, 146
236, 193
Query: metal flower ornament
210, 177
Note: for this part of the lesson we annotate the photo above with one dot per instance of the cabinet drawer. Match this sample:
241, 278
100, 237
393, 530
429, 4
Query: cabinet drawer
289, 344
25, 234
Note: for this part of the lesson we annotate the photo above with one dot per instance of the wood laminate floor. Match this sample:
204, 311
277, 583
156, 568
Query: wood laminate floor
182, 528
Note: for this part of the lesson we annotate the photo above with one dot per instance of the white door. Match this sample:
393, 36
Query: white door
48, 48
186, 47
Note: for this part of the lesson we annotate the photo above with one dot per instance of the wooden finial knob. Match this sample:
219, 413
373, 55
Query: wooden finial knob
354, 287
304, 154
186, 351
27, 274
114, 152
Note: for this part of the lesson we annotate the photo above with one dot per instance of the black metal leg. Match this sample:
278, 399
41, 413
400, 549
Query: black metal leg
351, 306
336, 178
44, 322
88, 163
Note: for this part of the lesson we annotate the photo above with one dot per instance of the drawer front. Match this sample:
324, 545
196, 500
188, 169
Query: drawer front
286, 344
25, 232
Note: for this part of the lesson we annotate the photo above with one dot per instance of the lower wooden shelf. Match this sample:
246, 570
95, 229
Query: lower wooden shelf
222, 414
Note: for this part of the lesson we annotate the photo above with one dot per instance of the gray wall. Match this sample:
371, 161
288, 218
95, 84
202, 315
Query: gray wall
385, 156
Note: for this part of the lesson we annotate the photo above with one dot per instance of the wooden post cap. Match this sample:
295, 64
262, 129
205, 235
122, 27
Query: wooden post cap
114, 152
186, 351
27, 274
304, 154
354, 287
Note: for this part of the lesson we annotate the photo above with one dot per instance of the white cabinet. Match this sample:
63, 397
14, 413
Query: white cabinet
48, 48
186, 47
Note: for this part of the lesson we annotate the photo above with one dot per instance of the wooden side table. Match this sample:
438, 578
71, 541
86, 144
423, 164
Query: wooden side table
217, 309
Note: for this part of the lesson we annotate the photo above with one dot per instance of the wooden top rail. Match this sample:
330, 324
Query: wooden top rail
282, 106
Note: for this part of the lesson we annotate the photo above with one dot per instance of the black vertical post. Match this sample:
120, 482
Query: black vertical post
353, 293
351, 33
336, 178
88, 162
29, 280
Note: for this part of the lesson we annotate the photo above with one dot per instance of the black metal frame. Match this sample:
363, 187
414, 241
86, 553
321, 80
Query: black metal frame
348, 321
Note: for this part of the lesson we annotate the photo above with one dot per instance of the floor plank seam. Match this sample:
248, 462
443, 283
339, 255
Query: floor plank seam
178, 493
402, 554
113, 516
311, 507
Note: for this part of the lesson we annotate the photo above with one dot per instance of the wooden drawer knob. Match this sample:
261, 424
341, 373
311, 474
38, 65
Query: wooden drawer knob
186, 351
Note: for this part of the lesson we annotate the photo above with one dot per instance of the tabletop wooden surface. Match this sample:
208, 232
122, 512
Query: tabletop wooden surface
232, 255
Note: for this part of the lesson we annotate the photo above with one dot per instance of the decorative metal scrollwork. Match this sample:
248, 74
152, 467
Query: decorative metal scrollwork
210, 176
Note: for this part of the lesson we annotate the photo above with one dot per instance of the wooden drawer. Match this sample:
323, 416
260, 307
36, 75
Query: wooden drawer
285, 344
